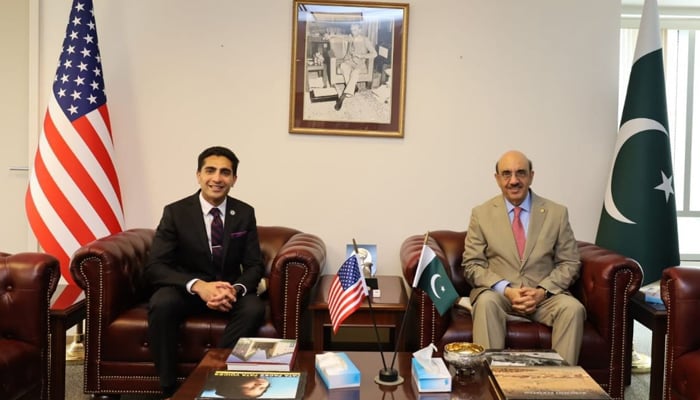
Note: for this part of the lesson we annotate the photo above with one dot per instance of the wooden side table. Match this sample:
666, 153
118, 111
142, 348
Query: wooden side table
62, 316
653, 316
317, 69
388, 309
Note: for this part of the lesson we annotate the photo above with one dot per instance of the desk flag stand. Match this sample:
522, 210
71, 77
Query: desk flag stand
387, 375
386, 380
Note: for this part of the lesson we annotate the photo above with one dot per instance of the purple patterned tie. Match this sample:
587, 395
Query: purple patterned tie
217, 236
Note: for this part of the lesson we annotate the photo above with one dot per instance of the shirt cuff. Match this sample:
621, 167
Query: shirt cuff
500, 286
189, 285
243, 290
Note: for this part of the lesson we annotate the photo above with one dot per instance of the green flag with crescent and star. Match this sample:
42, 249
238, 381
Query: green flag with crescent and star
639, 211
432, 278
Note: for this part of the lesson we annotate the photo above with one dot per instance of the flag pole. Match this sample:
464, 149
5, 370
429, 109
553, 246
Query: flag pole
408, 306
386, 375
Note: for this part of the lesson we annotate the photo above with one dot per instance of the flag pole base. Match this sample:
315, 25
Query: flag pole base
75, 352
388, 377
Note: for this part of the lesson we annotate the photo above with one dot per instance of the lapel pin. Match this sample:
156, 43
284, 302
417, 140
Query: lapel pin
541, 210
232, 213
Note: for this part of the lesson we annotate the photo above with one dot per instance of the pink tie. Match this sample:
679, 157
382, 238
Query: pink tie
518, 231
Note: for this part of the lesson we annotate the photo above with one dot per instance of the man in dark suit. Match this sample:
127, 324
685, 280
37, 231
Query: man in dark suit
194, 267
526, 273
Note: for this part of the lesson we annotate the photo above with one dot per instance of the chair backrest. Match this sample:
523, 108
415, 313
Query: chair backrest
272, 238
129, 250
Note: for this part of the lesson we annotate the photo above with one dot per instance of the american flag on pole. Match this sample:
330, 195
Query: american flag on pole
73, 196
347, 292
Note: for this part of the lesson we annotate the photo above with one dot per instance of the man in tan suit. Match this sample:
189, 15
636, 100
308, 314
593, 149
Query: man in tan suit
533, 285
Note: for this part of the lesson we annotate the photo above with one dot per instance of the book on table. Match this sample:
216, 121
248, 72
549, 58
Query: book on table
522, 357
545, 382
236, 385
262, 354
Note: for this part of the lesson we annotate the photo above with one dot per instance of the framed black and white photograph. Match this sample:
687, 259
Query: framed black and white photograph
348, 68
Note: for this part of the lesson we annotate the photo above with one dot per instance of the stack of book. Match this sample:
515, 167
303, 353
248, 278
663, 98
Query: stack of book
262, 354
257, 368
540, 375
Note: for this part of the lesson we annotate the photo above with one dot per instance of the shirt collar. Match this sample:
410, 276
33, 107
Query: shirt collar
525, 205
206, 206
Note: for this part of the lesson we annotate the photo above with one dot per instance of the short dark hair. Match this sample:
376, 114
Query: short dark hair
218, 151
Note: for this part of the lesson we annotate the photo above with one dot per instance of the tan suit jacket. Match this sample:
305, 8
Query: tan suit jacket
551, 258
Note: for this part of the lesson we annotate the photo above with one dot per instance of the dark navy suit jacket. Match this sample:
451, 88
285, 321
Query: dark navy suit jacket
180, 251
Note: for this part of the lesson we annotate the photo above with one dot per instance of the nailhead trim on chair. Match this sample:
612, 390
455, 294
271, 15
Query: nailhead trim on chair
669, 350
297, 306
615, 335
88, 325
48, 357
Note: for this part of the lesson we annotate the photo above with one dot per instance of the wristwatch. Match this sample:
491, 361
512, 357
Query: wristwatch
547, 293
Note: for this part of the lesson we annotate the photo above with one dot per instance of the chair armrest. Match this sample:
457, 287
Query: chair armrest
608, 281
109, 270
680, 291
293, 276
28, 281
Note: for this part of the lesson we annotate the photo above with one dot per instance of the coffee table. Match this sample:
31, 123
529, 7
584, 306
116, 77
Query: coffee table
476, 386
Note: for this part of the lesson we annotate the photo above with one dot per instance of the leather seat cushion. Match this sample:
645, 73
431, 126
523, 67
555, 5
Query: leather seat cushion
130, 330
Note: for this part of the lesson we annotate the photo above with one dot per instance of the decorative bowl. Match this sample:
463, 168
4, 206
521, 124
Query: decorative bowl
464, 357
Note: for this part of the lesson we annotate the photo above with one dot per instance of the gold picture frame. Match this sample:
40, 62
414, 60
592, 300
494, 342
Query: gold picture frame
348, 74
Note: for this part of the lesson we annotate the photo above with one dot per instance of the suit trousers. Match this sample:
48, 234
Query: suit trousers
563, 313
170, 305
351, 75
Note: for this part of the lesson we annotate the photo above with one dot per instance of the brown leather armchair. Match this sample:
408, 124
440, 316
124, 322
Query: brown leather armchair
27, 282
680, 291
607, 282
109, 270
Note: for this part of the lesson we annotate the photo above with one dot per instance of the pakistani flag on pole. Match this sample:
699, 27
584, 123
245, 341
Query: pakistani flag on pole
639, 211
432, 278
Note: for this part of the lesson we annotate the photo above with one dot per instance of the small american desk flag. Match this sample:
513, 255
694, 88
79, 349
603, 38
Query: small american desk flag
347, 292
73, 196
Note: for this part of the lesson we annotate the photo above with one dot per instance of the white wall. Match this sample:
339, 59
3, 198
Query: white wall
483, 76
14, 101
